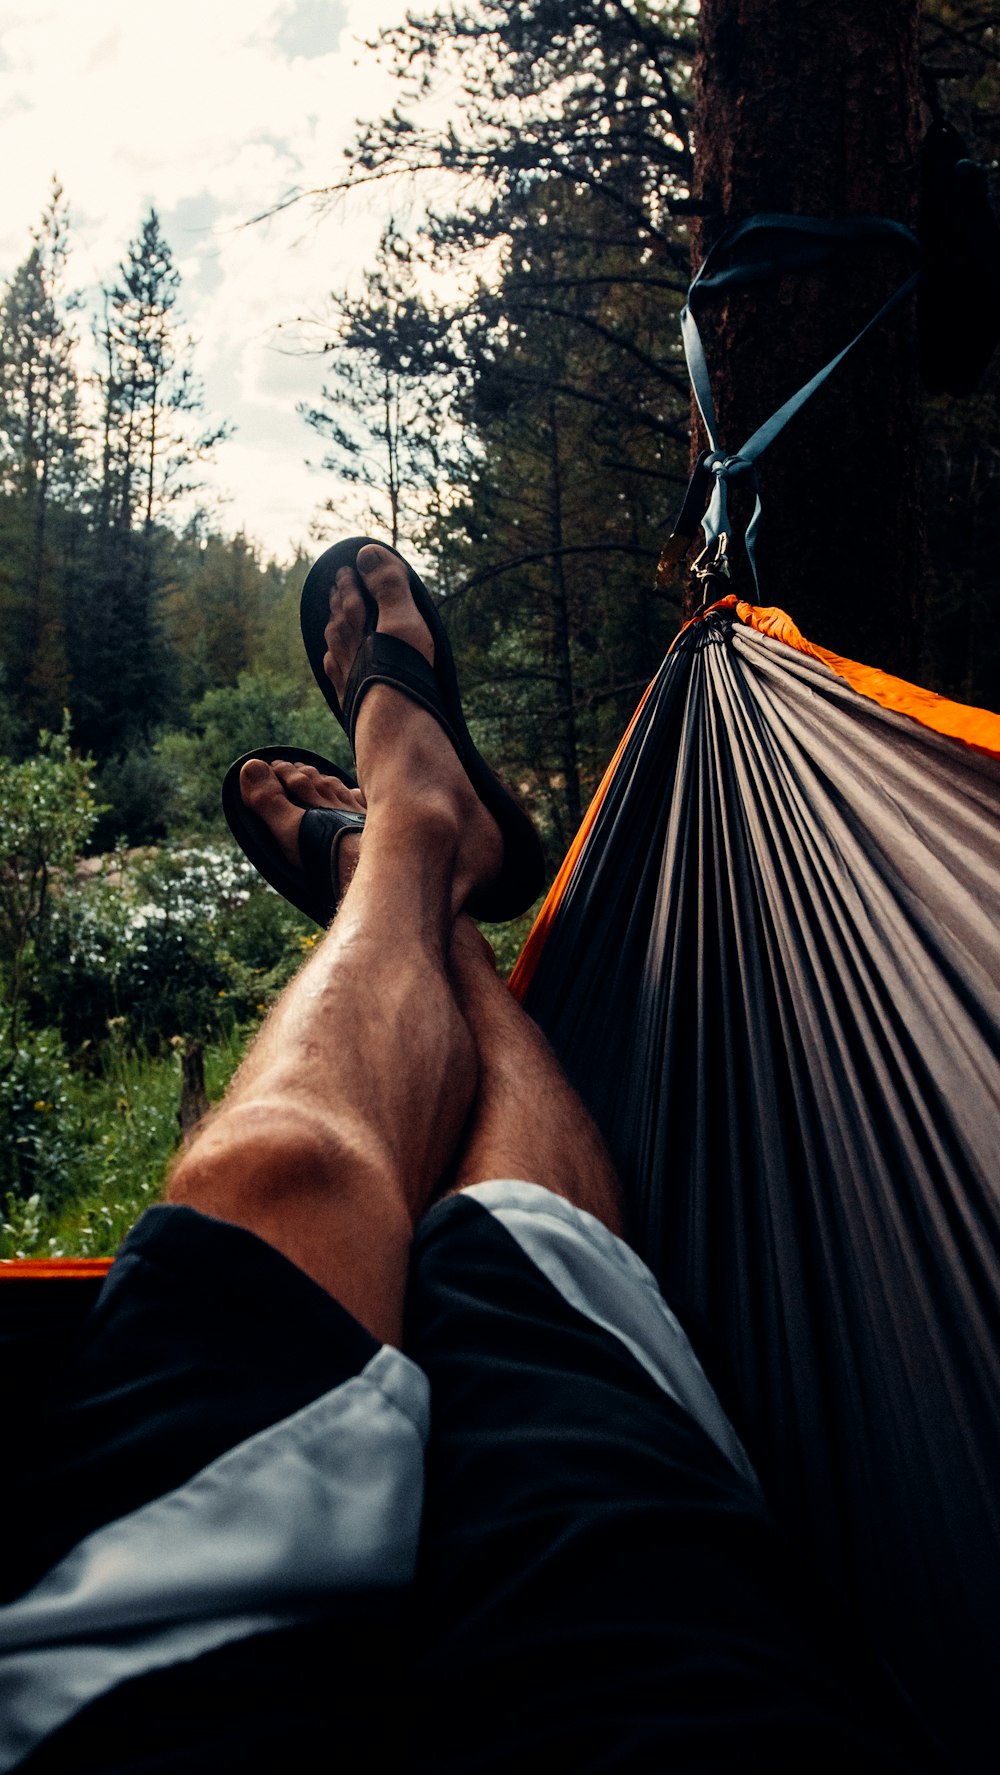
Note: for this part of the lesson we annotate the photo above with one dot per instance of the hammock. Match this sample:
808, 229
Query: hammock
771, 966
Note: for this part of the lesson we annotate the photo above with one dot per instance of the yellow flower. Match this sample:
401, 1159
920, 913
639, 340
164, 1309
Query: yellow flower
41, 1104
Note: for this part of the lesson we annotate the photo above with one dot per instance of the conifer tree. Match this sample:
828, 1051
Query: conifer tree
152, 439
381, 410
42, 465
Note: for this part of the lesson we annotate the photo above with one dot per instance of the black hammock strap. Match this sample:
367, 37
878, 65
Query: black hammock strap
760, 250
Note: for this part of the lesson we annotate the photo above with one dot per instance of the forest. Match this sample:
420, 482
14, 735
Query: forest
505, 398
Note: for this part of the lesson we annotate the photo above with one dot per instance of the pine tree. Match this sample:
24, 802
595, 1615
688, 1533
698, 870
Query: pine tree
381, 409
152, 441
42, 465
576, 449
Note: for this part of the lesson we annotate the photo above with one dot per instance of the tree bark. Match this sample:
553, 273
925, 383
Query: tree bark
194, 1102
814, 110
563, 657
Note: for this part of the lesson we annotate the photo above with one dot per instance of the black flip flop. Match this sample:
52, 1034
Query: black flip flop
382, 659
310, 887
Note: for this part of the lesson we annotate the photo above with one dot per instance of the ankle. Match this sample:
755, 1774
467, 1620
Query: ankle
396, 743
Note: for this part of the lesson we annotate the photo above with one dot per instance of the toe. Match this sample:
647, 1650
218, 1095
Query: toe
310, 787
263, 793
386, 577
345, 630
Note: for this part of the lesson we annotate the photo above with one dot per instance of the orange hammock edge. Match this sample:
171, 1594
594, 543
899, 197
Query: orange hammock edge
976, 728
48, 1269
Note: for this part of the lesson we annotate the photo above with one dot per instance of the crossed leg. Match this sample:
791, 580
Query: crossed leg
398, 1038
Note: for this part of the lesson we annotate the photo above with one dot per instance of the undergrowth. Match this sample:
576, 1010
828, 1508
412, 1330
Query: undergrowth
128, 1132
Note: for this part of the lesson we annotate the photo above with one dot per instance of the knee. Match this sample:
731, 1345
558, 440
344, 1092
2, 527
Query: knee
263, 1156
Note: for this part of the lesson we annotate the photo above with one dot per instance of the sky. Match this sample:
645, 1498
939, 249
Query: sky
212, 111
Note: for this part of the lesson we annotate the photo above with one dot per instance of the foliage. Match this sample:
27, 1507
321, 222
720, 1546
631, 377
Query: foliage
380, 413
557, 369
150, 392
184, 941
564, 156
92, 472
47, 812
127, 1133
41, 465
260, 709
43, 1149
176, 942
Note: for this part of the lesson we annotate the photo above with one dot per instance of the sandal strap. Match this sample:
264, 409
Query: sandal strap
321, 831
384, 659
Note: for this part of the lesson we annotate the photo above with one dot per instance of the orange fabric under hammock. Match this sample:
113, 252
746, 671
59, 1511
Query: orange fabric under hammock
53, 1269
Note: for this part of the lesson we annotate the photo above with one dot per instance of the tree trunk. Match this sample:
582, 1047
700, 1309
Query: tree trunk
194, 1102
563, 658
814, 110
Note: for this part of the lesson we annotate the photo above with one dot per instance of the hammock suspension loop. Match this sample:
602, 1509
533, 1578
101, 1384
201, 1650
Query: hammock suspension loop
770, 246
712, 566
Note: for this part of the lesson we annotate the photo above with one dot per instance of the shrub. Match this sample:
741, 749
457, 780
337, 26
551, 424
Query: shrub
47, 812
182, 943
137, 792
43, 1138
261, 709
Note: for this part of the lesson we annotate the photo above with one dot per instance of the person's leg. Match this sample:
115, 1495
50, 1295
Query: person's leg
242, 1454
527, 1121
353, 1097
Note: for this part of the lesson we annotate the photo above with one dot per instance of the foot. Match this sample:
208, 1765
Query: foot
280, 792
384, 578
404, 758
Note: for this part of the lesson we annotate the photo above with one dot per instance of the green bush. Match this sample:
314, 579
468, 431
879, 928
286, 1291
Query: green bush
47, 812
128, 1118
138, 796
261, 709
43, 1136
185, 942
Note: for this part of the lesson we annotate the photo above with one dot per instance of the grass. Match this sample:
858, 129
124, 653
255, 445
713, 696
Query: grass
132, 1133
129, 1132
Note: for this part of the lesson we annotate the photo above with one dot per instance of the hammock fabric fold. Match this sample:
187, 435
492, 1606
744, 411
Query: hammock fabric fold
771, 966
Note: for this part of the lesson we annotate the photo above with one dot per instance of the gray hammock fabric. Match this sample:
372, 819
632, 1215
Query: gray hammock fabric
773, 976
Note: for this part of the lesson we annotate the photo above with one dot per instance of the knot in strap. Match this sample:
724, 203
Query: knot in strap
727, 468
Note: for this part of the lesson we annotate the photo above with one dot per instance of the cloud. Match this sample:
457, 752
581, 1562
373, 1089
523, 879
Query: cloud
213, 114
311, 28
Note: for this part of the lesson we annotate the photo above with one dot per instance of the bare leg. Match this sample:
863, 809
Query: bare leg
528, 1121
355, 1093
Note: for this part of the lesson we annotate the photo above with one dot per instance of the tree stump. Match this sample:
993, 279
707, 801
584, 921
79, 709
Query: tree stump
194, 1102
